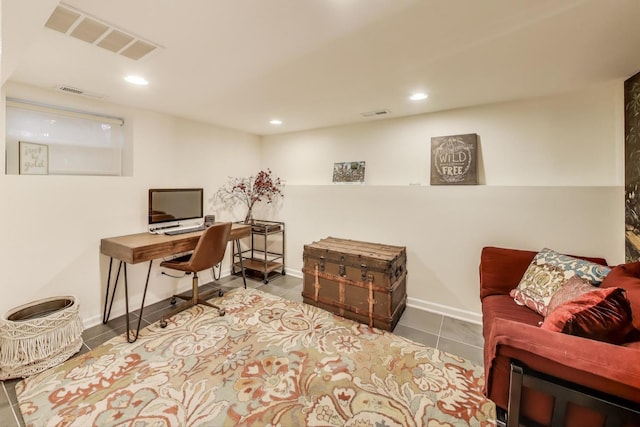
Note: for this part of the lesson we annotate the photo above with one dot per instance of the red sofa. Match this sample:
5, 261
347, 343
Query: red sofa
512, 334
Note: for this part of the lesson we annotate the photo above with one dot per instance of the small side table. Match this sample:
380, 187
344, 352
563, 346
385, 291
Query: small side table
259, 259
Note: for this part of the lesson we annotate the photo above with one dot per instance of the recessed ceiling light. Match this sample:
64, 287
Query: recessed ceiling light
418, 96
137, 80
275, 122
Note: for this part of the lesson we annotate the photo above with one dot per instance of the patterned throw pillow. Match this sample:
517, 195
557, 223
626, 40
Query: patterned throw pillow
548, 272
572, 289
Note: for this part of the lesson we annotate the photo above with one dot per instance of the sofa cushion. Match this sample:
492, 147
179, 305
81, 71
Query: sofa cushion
501, 269
549, 271
599, 314
627, 277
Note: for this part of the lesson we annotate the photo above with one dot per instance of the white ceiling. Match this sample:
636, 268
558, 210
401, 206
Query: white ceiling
316, 63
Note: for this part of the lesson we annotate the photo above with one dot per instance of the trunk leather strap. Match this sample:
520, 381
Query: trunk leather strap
316, 285
371, 301
341, 291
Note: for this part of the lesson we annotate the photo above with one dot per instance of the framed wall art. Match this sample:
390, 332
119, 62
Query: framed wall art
348, 172
454, 160
632, 168
34, 158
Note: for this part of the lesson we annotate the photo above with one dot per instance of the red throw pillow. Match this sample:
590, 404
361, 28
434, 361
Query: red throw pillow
602, 314
627, 276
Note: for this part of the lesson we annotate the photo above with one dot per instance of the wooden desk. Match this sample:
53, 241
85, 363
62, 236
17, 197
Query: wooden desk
141, 247
136, 248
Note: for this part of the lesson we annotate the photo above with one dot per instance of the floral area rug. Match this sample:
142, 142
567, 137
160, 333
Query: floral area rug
268, 362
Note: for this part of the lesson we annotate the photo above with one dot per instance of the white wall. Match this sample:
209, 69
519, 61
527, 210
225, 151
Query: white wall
52, 225
575, 139
551, 173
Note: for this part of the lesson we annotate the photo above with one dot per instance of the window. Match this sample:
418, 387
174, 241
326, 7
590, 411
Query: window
79, 143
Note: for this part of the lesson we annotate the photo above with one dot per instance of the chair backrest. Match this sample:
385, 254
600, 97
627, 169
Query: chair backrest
210, 248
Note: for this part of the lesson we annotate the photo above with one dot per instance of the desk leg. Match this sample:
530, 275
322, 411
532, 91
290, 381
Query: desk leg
126, 301
244, 276
106, 314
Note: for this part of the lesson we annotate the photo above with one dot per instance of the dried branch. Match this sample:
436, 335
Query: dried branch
252, 189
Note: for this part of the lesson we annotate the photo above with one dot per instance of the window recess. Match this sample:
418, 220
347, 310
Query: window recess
78, 142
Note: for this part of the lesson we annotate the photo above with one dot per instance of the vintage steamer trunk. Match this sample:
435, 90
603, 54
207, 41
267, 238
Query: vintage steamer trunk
361, 281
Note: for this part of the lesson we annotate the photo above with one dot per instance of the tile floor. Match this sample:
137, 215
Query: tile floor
434, 330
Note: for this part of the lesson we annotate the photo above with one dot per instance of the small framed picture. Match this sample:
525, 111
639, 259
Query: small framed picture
348, 172
34, 158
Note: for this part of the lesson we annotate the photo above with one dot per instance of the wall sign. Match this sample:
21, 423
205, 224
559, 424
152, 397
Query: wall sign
454, 159
34, 158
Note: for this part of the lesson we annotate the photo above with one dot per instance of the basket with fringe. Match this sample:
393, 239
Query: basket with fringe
39, 335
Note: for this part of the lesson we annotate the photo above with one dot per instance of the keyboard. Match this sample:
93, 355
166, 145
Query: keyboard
184, 230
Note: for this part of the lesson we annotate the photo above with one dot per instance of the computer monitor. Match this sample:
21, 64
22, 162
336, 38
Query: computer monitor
169, 206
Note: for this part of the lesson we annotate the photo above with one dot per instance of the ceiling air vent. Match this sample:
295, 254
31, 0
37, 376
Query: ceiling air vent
70, 89
77, 91
76, 23
375, 113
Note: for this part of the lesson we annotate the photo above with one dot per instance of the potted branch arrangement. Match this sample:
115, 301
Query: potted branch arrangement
250, 190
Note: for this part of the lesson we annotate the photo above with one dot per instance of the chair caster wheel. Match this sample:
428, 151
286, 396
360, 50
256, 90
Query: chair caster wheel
222, 313
173, 301
220, 293
163, 323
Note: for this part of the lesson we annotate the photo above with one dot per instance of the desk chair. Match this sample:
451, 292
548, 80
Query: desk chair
208, 252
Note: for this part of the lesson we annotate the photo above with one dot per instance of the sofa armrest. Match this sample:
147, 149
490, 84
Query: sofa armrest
608, 368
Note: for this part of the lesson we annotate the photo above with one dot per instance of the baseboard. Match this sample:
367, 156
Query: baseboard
419, 304
294, 273
91, 321
97, 319
456, 313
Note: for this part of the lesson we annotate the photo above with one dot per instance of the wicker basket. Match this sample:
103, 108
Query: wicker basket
39, 335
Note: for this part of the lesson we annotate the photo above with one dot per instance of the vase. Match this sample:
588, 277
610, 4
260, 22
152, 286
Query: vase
249, 218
